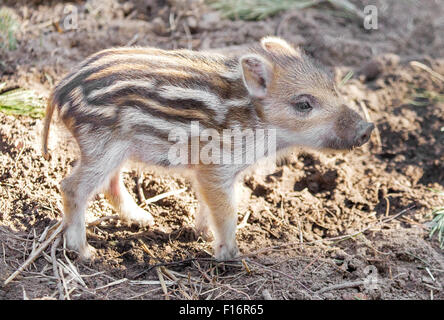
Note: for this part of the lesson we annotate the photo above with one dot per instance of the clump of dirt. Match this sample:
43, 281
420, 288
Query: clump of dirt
295, 217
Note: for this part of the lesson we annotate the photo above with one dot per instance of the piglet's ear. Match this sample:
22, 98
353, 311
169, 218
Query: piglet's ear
257, 74
278, 45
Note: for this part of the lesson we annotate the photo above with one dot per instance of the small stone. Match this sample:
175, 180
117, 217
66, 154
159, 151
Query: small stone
159, 26
371, 70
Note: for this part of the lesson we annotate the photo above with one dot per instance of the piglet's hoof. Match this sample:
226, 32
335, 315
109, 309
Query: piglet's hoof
224, 252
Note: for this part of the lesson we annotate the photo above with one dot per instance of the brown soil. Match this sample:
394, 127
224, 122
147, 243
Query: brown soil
298, 212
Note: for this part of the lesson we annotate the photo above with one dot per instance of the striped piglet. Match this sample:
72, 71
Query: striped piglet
126, 103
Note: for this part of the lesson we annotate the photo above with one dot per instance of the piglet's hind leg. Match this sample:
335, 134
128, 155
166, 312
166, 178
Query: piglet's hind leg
76, 190
92, 172
125, 205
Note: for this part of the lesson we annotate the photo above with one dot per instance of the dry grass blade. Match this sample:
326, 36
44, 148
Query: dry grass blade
244, 221
422, 66
139, 184
72, 268
114, 283
423, 98
147, 250
247, 268
162, 283
163, 195
149, 282
100, 220
180, 285
37, 252
347, 77
56, 269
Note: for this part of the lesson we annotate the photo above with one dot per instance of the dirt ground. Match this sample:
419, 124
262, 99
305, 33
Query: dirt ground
313, 226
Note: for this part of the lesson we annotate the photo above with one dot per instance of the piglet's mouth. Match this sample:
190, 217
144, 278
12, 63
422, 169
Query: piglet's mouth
340, 145
360, 138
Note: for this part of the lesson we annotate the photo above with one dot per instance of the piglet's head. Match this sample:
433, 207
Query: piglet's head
298, 97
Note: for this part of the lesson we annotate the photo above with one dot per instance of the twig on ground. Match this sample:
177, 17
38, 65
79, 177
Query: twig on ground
146, 249
179, 283
244, 222
344, 285
100, 220
309, 265
64, 285
149, 282
72, 267
162, 283
339, 238
112, 284
163, 195
387, 210
247, 268
139, 184
37, 252
55, 267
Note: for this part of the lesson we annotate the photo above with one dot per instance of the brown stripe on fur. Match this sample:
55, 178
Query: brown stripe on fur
178, 58
239, 115
185, 69
115, 69
144, 93
145, 129
160, 76
149, 55
150, 104
80, 112
63, 89
163, 111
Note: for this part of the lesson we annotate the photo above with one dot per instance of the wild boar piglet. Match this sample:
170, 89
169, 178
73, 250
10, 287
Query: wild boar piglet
206, 113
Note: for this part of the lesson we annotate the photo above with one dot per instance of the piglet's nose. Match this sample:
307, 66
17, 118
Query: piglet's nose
364, 132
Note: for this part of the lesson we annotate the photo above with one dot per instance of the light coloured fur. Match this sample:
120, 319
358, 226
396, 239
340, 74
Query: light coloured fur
121, 104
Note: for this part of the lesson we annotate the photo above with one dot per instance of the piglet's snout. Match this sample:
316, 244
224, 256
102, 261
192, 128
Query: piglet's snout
363, 133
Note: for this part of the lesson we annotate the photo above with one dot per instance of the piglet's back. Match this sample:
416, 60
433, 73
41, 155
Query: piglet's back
116, 85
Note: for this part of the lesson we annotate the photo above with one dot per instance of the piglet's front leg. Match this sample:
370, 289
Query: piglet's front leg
217, 191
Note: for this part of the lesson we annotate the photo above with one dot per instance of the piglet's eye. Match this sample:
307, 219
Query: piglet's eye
303, 106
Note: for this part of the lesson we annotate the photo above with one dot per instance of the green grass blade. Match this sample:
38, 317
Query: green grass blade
438, 225
21, 102
347, 77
